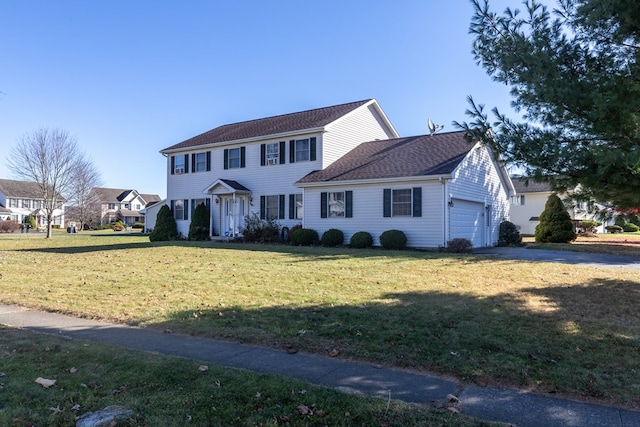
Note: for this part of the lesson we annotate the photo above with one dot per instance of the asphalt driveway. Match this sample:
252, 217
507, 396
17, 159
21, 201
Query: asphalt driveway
563, 257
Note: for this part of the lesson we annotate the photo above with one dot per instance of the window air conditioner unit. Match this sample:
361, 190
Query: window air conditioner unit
179, 171
272, 161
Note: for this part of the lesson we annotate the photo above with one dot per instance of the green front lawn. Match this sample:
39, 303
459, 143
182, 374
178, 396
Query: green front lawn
547, 327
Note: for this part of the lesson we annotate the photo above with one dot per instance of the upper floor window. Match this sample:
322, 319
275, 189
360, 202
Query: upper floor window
127, 206
234, 158
13, 203
517, 200
26, 203
273, 154
112, 206
301, 150
138, 206
402, 202
201, 162
179, 164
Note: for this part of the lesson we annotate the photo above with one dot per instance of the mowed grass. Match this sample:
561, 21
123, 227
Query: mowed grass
546, 327
170, 391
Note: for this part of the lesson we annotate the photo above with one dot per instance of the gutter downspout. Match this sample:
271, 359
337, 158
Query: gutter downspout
445, 211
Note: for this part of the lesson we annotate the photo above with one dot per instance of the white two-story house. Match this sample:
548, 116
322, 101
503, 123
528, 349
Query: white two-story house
121, 204
251, 167
19, 199
342, 167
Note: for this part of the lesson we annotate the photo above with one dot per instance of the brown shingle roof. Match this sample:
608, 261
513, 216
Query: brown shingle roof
529, 185
115, 195
310, 119
424, 155
20, 189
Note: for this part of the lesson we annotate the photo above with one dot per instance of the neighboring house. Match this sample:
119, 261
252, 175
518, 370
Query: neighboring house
529, 201
19, 199
433, 187
250, 167
125, 205
344, 167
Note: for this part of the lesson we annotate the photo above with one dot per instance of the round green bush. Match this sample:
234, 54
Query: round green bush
613, 229
509, 234
630, 227
361, 240
555, 223
332, 237
304, 237
393, 239
137, 225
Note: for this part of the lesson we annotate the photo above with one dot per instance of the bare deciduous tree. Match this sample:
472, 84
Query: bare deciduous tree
51, 158
86, 203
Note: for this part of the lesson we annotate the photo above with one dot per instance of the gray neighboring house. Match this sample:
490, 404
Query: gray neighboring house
122, 204
19, 199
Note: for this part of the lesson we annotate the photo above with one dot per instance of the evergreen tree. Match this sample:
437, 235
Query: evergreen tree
555, 223
574, 73
199, 227
166, 227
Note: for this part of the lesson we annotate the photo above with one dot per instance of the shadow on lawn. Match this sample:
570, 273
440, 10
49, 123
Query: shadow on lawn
583, 341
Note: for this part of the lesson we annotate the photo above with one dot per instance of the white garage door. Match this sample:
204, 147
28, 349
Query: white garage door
466, 220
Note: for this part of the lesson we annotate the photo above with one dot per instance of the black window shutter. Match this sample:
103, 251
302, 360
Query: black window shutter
281, 207
208, 161
186, 163
263, 207
263, 154
173, 164
193, 162
186, 209
207, 203
312, 149
417, 201
242, 156
226, 158
292, 151
292, 206
386, 201
282, 154
173, 205
193, 206
348, 202
323, 204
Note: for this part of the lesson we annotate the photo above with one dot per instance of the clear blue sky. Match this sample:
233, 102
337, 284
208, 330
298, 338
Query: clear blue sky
129, 78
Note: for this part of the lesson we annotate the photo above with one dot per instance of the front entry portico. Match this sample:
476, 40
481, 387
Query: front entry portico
231, 201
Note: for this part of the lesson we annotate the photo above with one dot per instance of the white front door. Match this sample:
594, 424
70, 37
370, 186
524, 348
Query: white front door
233, 215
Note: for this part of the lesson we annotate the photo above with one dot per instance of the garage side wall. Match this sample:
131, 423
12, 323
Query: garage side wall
477, 180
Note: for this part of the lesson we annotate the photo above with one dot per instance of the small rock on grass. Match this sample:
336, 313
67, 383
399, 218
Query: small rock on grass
103, 417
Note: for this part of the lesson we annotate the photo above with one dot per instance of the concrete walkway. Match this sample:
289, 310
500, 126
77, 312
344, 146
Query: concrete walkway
492, 404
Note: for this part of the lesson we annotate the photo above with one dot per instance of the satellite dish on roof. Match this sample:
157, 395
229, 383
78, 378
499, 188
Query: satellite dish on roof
433, 128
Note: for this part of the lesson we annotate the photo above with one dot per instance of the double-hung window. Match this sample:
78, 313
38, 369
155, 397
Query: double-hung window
336, 204
180, 209
179, 164
272, 207
234, 158
272, 153
517, 200
402, 202
201, 162
302, 150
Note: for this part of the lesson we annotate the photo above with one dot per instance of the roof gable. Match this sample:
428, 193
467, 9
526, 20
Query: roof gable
303, 120
424, 155
117, 195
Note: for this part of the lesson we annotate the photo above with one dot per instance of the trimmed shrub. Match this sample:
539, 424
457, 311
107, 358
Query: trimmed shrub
361, 240
166, 228
199, 227
509, 235
630, 227
613, 229
9, 226
589, 226
31, 222
332, 237
304, 237
620, 221
118, 226
258, 230
555, 223
137, 225
393, 239
459, 246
